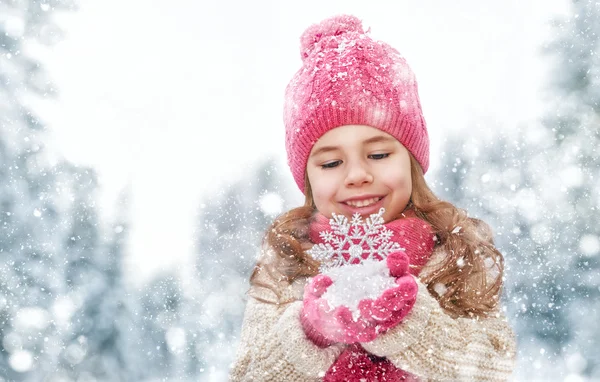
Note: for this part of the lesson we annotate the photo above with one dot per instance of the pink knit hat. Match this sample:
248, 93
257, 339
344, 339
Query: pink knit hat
349, 79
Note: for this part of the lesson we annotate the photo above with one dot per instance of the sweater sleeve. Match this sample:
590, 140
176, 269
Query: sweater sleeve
435, 346
273, 345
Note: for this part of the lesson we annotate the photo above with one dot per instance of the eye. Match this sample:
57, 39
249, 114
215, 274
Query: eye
379, 156
331, 164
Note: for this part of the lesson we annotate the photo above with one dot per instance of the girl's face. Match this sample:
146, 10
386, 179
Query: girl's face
359, 169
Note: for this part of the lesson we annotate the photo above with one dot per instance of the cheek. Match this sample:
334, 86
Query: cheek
323, 188
397, 180
404, 182
400, 177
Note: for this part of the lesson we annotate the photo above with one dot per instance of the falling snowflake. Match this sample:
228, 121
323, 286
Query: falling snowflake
354, 241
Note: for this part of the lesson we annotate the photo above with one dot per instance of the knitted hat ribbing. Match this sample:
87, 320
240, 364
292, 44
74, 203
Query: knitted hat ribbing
349, 79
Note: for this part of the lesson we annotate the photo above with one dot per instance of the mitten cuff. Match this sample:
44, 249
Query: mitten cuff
313, 334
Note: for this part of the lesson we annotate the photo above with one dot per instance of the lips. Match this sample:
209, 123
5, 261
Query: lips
363, 202
363, 206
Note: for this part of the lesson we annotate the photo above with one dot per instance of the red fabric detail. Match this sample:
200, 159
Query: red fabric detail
413, 234
355, 364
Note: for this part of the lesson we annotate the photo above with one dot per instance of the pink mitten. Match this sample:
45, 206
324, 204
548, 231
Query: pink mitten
325, 325
389, 309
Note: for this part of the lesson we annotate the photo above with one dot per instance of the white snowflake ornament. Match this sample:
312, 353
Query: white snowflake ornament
354, 240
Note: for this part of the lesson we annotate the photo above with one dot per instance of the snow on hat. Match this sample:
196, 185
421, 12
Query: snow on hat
347, 78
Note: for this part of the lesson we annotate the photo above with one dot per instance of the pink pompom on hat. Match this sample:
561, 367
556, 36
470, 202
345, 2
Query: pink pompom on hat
347, 78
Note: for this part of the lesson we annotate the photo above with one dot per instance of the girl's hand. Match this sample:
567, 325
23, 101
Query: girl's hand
389, 309
325, 325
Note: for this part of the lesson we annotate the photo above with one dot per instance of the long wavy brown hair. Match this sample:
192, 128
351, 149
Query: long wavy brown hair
467, 281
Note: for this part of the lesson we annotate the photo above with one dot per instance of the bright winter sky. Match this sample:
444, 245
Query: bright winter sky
173, 98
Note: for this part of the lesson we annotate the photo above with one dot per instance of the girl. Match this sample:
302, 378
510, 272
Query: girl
357, 142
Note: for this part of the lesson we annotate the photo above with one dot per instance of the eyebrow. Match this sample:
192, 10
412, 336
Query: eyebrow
379, 138
375, 139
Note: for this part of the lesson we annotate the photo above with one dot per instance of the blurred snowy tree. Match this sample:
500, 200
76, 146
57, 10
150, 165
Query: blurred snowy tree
62, 297
159, 320
33, 201
104, 340
35, 226
538, 186
574, 122
60, 278
229, 234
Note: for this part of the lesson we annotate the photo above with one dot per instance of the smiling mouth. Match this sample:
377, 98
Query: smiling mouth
363, 203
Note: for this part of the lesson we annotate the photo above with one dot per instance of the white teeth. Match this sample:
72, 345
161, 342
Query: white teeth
362, 203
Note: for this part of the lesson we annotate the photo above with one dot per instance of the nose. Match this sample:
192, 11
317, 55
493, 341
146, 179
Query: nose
358, 174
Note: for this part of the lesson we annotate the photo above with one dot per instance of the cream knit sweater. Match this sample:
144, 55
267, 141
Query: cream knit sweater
428, 343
